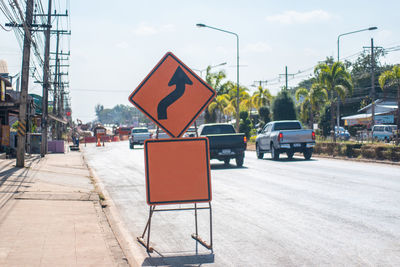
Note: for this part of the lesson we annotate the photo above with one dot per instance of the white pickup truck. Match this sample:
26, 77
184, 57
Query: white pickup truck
138, 135
285, 137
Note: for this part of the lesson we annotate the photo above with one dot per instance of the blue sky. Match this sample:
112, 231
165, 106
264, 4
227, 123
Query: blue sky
114, 44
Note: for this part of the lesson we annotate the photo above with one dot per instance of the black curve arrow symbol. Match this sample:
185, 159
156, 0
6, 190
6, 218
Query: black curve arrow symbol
180, 79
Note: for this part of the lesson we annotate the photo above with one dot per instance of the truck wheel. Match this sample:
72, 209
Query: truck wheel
260, 155
290, 154
307, 153
226, 161
131, 146
239, 160
274, 153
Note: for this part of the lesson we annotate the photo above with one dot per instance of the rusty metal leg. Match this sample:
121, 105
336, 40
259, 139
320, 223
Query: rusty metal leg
147, 228
196, 235
211, 236
195, 218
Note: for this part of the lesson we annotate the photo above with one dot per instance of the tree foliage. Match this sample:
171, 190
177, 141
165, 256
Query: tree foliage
245, 123
336, 80
120, 114
283, 107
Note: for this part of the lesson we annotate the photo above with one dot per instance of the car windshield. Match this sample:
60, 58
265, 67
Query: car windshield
218, 129
287, 125
140, 130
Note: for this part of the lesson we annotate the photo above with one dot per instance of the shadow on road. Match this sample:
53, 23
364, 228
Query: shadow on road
222, 166
290, 160
179, 260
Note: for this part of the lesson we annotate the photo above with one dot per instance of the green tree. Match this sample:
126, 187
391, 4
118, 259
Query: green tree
283, 107
312, 101
262, 97
219, 104
214, 79
336, 80
392, 78
265, 115
245, 123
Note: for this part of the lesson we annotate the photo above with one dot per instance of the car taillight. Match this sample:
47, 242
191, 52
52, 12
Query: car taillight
280, 137
244, 139
313, 135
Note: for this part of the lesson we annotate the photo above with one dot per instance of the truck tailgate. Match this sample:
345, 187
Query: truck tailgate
226, 141
297, 136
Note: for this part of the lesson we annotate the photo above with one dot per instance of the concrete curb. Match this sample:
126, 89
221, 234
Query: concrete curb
115, 222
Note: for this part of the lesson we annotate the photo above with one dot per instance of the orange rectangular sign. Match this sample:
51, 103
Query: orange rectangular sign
177, 171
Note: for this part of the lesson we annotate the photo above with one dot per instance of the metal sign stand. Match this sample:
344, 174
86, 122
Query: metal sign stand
195, 236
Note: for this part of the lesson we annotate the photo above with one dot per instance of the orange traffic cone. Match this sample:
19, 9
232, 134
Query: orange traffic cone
98, 141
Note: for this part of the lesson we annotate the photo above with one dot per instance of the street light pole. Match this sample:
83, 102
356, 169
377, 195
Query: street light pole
338, 58
237, 66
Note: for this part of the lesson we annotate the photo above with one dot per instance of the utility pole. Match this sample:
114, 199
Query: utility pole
24, 85
55, 87
46, 85
372, 82
286, 77
372, 92
260, 83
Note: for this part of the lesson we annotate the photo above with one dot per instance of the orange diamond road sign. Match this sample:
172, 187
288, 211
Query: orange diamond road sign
177, 170
172, 95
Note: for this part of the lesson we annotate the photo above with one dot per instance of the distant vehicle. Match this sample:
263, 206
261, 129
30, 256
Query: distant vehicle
138, 135
161, 134
383, 132
225, 143
285, 137
191, 132
123, 131
99, 131
341, 133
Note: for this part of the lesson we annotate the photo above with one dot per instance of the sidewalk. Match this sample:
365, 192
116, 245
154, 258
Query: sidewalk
51, 216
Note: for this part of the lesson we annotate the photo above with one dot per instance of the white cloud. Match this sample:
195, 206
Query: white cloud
291, 17
144, 29
258, 47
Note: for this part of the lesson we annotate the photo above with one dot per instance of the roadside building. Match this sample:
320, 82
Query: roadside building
385, 113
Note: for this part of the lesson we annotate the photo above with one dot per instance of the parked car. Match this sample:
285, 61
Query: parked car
341, 133
225, 143
138, 135
285, 137
383, 132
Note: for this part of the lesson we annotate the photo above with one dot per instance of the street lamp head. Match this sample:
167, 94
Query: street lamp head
372, 28
200, 25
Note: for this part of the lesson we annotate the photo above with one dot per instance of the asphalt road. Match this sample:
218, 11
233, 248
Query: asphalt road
286, 213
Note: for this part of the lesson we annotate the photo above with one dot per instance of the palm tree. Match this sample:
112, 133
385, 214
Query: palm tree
244, 100
219, 103
261, 97
214, 79
392, 78
311, 100
334, 79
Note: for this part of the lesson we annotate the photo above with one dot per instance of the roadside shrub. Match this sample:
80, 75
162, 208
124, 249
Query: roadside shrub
368, 152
